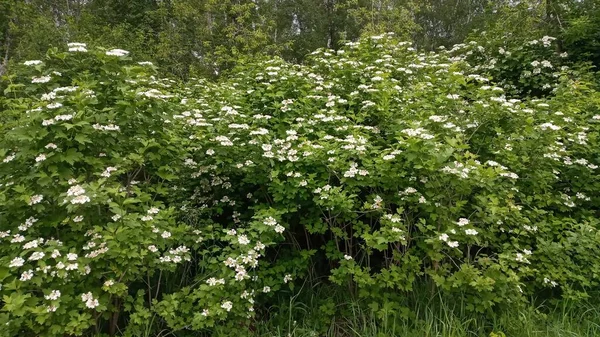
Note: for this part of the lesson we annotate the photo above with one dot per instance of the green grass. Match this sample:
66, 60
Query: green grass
320, 313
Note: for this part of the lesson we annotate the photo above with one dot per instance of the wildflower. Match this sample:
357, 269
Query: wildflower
36, 199
55, 105
16, 262
287, 278
40, 158
243, 240
42, 79
71, 256
54, 295
109, 283
347, 257
89, 300
227, 305
279, 229
152, 248
8, 158
270, 221
453, 244
107, 172
462, 222
444, 237
471, 232
117, 52
26, 275
266, 289
116, 217
78, 218
36, 256
75, 191
521, 258
77, 47
153, 210
51, 308
146, 218
165, 235
82, 199
32, 62
213, 281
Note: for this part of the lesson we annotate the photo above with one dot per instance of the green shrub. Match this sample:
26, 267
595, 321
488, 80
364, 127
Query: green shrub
376, 166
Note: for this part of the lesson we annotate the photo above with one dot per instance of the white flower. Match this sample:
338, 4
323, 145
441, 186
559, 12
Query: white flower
36, 256
107, 172
78, 218
213, 281
71, 256
55, 105
36, 199
471, 232
75, 191
232, 232
259, 246
16, 262
279, 229
146, 218
77, 47
26, 275
266, 289
51, 146
165, 235
8, 158
153, 210
32, 62
54, 295
43, 79
51, 308
210, 152
462, 222
17, 238
40, 158
89, 300
117, 52
109, 283
453, 244
205, 312
521, 258
152, 248
227, 305
347, 257
116, 217
82, 199
270, 221
243, 240
443, 237
287, 278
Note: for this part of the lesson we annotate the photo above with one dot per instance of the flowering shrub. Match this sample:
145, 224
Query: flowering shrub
125, 198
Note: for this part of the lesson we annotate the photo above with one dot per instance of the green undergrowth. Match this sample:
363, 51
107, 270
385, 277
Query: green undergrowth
325, 312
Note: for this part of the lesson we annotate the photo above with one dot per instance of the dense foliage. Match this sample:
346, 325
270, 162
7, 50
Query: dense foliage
131, 204
187, 38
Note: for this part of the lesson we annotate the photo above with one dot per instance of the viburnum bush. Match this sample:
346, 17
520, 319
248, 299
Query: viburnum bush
131, 204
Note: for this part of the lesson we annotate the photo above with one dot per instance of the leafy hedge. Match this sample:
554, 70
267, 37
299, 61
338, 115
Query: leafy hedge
130, 204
